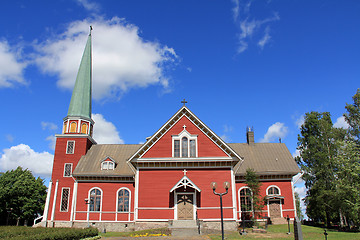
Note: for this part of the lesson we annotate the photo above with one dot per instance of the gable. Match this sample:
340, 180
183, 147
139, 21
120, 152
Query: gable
164, 147
208, 144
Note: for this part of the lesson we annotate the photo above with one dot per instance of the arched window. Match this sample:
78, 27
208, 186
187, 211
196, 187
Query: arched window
84, 128
273, 191
95, 200
123, 200
245, 200
73, 127
184, 147
64, 127
107, 165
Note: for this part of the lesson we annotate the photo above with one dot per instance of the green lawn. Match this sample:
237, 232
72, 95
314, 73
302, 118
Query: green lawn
279, 232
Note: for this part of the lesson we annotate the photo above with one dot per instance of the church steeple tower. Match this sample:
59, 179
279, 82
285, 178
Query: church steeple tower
78, 119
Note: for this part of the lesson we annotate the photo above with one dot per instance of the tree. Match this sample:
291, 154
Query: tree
317, 146
352, 117
23, 193
252, 181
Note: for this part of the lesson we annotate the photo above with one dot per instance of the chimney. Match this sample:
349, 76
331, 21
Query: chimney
250, 135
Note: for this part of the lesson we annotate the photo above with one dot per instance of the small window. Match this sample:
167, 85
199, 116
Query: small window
95, 200
107, 165
73, 127
65, 199
192, 148
67, 169
273, 191
70, 147
123, 200
84, 128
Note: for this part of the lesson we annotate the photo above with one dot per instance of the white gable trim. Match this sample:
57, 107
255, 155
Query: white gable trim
163, 130
185, 182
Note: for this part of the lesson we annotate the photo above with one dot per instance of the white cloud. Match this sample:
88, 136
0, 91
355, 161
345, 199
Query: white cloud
22, 155
265, 39
341, 123
11, 68
48, 126
121, 58
296, 153
227, 129
249, 25
89, 5
105, 132
277, 130
300, 121
52, 140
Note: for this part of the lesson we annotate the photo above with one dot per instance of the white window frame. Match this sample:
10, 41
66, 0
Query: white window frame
67, 147
68, 200
267, 190
179, 137
107, 164
89, 197
70, 169
252, 206
117, 199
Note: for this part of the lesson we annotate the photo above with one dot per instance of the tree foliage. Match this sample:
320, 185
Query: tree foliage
298, 206
330, 160
21, 192
252, 181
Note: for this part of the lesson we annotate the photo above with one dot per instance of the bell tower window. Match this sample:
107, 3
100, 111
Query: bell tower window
73, 127
70, 147
84, 128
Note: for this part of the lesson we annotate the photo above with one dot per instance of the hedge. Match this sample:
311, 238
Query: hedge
28, 233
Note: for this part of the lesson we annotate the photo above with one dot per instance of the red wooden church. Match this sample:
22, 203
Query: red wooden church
163, 181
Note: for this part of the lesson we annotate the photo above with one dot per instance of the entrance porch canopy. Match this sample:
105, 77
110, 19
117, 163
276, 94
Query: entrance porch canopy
185, 182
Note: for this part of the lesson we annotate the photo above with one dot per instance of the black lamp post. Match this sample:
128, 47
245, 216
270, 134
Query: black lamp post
288, 220
87, 202
325, 234
226, 186
7, 219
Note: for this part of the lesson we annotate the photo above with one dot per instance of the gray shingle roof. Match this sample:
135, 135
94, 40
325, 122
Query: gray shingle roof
264, 158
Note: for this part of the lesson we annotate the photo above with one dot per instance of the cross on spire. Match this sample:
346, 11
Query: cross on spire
184, 172
184, 126
184, 102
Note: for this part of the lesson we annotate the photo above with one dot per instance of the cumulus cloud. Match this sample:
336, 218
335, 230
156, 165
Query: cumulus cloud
249, 25
11, 67
277, 130
52, 141
296, 153
121, 58
22, 155
341, 123
105, 132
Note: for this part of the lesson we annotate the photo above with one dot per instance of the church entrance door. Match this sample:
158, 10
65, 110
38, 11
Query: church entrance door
274, 208
185, 206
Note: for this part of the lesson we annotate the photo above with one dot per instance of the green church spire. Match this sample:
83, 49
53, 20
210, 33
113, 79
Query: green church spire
80, 105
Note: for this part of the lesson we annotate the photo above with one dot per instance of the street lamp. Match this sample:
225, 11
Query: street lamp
87, 202
226, 186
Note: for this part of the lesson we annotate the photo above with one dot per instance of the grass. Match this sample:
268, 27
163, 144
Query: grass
157, 231
279, 232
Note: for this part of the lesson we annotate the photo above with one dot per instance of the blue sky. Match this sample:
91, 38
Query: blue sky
237, 63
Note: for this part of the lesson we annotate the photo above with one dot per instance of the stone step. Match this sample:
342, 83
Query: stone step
184, 232
183, 224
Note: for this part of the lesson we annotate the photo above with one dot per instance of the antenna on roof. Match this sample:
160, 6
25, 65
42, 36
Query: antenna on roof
279, 139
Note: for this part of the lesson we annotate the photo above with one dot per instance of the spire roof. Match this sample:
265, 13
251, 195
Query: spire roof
80, 104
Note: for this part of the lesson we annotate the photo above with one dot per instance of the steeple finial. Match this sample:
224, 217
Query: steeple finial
91, 28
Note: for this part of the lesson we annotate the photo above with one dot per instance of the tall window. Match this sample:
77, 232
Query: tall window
192, 148
245, 200
184, 147
67, 169
95, 200
273, 191
176, 148
123, 200
70, 147
65, 199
